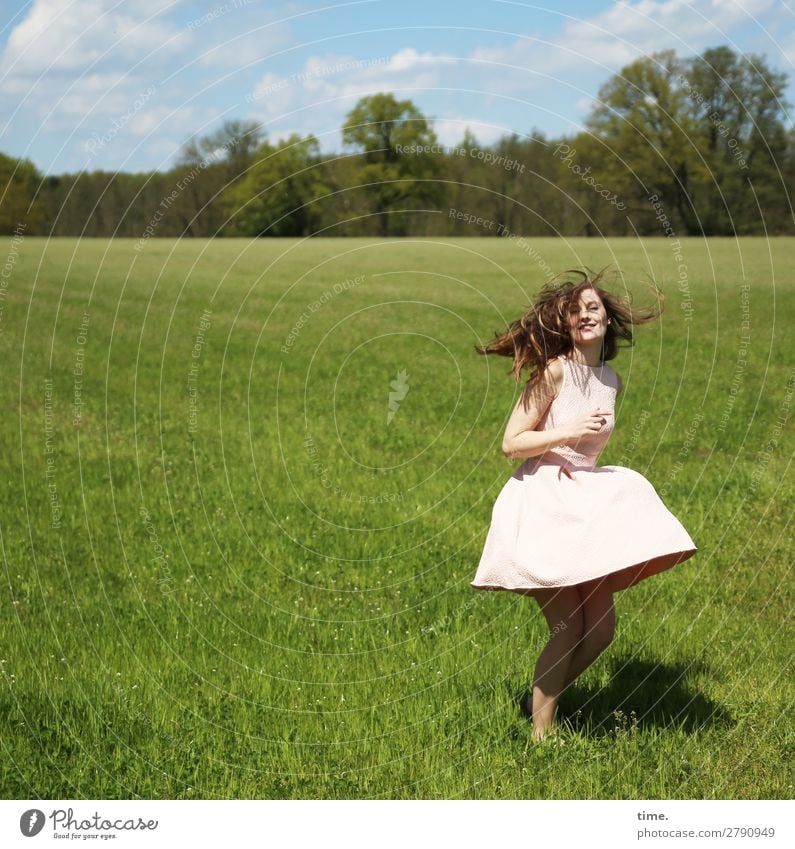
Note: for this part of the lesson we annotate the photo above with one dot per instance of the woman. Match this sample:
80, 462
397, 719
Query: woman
563, 530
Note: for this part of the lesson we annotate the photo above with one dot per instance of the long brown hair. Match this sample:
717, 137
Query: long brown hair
542, 333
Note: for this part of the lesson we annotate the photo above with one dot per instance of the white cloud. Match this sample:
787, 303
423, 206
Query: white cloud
688, 25
450, 131
100, 93
409, 59
143, 123
227, 44
70, 35
621, 34
317, 98
92, 70
75, 67
331, 84
333, 76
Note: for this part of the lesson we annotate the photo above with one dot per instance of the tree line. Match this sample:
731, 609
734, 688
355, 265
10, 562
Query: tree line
671, 146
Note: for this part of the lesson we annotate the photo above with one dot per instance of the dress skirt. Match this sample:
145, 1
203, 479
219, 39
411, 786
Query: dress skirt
551, 530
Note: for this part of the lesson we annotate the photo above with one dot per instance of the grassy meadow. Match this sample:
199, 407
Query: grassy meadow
228, 575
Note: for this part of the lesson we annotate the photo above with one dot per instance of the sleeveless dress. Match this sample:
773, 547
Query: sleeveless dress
551, 530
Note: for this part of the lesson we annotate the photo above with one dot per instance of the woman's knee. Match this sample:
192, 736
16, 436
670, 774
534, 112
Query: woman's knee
599, 614
565, 616
599, 633
567, 633
568, 629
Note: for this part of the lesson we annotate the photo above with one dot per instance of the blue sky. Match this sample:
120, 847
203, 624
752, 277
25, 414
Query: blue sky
121, 85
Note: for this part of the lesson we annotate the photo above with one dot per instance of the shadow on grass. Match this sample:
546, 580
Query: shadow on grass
641, 694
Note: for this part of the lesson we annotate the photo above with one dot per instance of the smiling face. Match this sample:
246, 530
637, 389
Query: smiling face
587, 319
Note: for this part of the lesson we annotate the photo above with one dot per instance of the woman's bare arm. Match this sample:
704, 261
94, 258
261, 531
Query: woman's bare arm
520, 439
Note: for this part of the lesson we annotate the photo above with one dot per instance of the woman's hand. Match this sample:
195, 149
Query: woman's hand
587, 425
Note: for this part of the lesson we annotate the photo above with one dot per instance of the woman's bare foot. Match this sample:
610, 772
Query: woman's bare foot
550, 735
540, 733
539, 729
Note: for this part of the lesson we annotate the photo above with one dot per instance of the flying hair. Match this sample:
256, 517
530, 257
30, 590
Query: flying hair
542, 333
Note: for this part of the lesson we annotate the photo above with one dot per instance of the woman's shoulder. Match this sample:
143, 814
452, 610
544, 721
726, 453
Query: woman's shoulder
547, 383
554, 375
555, 368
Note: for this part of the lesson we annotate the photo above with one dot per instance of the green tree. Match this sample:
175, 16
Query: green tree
594, 199
279, 195
400, 154
704, 135
19, 182
647, 133
465, 192
234, 145
738, 105
205, 168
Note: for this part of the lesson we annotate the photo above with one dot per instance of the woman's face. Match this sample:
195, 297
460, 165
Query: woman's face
587, 318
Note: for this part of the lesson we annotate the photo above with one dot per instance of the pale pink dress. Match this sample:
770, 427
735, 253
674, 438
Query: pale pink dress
549, 530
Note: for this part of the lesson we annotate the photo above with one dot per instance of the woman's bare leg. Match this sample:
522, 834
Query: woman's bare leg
562, 609
599, 625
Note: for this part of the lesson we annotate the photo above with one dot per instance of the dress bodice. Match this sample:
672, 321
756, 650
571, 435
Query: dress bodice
584, 389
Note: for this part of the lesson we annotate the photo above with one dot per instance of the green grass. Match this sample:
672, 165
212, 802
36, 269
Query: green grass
277, 604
